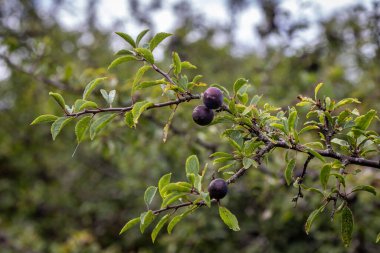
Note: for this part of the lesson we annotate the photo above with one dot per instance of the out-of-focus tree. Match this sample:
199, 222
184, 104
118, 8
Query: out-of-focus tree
53, 202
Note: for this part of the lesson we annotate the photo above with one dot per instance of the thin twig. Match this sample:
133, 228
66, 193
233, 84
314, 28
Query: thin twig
129, 108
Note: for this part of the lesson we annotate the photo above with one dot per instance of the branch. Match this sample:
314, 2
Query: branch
299, 194
186, 98
39, 78
164, 74
331, 154
176, 207
258, 158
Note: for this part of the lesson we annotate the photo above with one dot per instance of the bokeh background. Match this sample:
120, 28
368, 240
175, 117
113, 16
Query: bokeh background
53, 202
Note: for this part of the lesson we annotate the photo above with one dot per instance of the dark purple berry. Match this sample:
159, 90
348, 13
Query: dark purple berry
217, 189
202, 115
213, 98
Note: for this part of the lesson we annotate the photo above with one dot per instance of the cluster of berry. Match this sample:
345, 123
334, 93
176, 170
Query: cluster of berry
212, 99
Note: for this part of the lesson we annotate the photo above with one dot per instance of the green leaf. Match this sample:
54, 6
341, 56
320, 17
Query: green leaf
146, 219
159, 226
146, 53
303, 103
317, 89
225, 167
342, 118
178, 218
88, 104
346, 101
367, 188
179, 187
378, 238
248, 162
288, 174
149, 195
157, 39
139, 75
44, 118
129, 225
311, 189
167, 125
187, 65
192, 165
340, 142
120, 60
316, 154
59, 99
140, 36
340, 178
314, 144
222, 160
164, 180
81, 128
364, 121
347, 226
127, 38
91, 86
234, 143
223, 118
279, 126
123, 52
221, 154
172, 197
100, 123
197, 78
308, 128
239, 83
206, 198
128, 119
174, 222
57, 125
310, 220
228, 218
148, 84
78, 103
292, 120
176, 63
138, 109
324, 175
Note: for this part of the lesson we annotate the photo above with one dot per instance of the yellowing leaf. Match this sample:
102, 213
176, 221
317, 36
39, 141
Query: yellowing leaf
319, 86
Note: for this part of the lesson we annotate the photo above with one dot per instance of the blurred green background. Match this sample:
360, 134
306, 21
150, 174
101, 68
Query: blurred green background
53, 202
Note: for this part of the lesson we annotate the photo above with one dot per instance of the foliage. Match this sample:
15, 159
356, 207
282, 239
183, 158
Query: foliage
52, 202
253, 132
